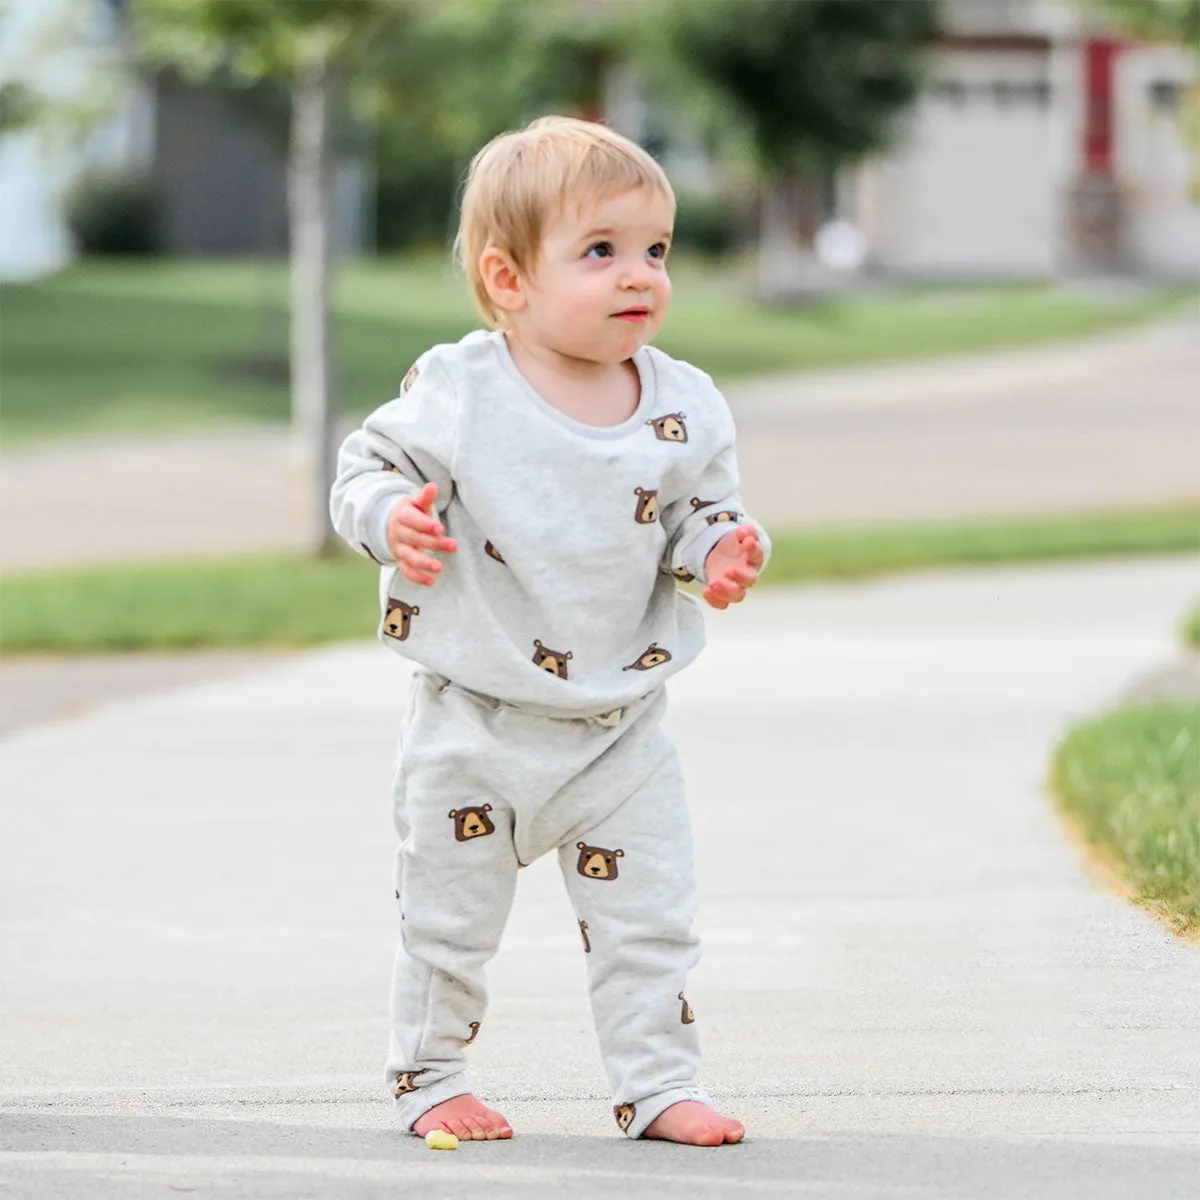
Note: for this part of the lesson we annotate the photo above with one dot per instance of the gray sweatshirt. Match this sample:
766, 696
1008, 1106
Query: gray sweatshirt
562, 597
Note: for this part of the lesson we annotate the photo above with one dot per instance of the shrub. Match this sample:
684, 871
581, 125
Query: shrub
114, 213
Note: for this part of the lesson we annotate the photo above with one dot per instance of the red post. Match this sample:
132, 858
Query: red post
1099, 59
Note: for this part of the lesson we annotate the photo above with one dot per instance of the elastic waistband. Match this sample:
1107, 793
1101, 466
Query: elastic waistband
606, 719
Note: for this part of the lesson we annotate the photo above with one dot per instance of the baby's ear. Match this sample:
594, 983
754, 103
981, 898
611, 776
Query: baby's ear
501, 279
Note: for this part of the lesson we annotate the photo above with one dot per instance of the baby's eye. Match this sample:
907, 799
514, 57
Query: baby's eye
658, 250
600, 250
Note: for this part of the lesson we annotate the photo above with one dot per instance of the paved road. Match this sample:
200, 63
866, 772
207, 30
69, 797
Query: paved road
910, 989
1106, 423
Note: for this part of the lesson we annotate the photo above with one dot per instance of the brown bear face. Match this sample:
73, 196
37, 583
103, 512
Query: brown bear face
472, 822
682, 573
722, 516
646, 512
624, 1114
653, 656
697, 504
492, 552
404, 1082
399, 617
587, 945
409, 379
687, 1016
554, 662
474, 1028
597, 863
670, 428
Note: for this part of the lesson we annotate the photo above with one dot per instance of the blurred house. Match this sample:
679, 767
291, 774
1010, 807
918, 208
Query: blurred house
1041, 146
215, 157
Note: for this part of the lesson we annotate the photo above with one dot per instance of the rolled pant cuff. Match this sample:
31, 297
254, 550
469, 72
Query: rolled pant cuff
646, 1110
414, 1105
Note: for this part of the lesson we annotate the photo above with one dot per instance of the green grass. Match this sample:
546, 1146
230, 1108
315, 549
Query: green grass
292, 601
1130, 782
112, 347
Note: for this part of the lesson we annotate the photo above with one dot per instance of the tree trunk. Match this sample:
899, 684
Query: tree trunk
310, 205
788, 269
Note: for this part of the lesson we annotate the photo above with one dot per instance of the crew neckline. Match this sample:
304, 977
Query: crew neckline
642, 364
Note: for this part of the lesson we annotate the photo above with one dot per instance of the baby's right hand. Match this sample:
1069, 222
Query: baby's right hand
413, 529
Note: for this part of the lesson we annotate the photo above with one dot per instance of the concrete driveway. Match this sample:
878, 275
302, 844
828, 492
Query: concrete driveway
911, 987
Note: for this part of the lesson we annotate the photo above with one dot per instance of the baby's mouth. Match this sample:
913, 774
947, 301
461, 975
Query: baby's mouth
636, 313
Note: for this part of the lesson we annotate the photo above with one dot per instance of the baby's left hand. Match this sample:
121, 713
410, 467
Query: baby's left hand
731, 567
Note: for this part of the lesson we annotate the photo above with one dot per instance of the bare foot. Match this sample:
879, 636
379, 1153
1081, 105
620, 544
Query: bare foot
470, 1120
695, 1124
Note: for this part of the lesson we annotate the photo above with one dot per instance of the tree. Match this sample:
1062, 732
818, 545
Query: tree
817, 83
1155, 20
309, 46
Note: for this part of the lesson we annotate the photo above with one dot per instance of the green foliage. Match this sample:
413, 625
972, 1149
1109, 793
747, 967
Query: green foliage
711, 224
114, 214
1175, 21
1131, 781
259, 40
278, 600
817, 81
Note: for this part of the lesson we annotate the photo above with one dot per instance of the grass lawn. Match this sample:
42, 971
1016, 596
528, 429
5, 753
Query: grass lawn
153, 346
1130, 783
293, 601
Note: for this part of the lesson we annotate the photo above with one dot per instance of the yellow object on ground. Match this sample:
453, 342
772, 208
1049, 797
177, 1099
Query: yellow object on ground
439, 1139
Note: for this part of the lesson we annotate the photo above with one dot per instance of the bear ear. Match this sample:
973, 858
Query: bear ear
487, 808
416, 612
581, 845
568, 655
537, 643
453, 812
618, 854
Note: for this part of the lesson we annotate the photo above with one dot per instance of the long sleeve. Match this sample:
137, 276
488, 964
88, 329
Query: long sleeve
694, 524
400, 447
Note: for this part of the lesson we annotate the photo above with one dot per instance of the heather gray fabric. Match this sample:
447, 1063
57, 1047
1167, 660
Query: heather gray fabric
484, 788
561, 597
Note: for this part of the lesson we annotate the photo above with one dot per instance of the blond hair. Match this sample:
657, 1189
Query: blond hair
519, 180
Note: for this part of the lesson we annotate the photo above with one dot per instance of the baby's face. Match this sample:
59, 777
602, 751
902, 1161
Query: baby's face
599, 290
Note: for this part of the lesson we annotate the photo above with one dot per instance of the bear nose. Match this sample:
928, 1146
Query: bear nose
594, 870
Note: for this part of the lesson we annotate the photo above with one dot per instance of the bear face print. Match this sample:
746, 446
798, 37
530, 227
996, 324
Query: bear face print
624, 1114
474, 1028
669, 428
587, 945
683, 574
646, 512
687, 1016
472, 822
409, 379
697, 504
597, 863
492, 552
553, 662
653, 656
398, 621
405, 1082
723, 516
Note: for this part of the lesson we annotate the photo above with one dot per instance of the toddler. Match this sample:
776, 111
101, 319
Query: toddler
570, 476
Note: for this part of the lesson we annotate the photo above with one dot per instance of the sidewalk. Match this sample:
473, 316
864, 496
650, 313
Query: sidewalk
910, 986
1110, 422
